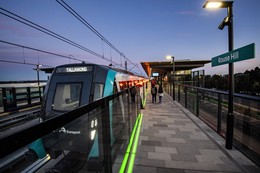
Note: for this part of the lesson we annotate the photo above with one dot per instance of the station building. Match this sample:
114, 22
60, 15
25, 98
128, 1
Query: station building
163, 71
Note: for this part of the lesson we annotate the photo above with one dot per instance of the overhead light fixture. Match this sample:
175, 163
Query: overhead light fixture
212, 4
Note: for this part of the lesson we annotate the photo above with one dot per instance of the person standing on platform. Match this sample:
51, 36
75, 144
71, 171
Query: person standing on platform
153, 92
133, 93
160, 93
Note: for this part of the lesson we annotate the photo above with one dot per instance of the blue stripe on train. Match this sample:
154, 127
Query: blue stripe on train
108, 90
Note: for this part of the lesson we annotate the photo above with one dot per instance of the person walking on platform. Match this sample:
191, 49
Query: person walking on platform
160, 93
153, 92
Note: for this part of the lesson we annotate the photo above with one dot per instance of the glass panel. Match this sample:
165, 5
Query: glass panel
98, 91
123, 120
10, 95
21, 90
208, 108
77, 146
224, 112
1, 101
182, 96
191, 100
67, 97
247, 127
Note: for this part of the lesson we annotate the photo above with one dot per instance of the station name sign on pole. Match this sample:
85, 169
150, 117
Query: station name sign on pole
240, 54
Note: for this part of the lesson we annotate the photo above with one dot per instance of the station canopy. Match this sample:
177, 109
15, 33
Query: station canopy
163, 67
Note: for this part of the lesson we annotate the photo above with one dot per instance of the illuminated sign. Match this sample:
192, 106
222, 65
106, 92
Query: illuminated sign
73, 69
243, 53
155, 74
77, 69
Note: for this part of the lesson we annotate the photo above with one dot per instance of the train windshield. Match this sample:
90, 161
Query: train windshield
67, 96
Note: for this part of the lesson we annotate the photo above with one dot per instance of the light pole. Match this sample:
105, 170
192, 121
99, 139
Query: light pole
228, 21
38, 79
173, 73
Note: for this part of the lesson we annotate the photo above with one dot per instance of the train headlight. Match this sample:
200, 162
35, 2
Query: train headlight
96, 122
92, 123
41, 120
92, 134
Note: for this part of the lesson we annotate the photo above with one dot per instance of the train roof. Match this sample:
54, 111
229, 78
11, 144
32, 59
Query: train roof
50, 69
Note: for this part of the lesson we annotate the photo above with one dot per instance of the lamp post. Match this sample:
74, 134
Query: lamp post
228, 21
38, 79
173, 72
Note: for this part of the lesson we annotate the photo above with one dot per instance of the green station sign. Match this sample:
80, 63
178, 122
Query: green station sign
240, 54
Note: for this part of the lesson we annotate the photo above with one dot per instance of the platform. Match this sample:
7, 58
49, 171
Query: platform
172, 139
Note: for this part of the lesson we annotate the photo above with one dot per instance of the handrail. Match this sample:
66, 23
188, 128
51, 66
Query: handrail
254, 98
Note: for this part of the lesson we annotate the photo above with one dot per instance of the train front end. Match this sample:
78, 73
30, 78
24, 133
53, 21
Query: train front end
70, 87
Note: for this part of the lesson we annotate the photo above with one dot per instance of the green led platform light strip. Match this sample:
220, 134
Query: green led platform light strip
132, 145
134, 149
124, 163
144, 100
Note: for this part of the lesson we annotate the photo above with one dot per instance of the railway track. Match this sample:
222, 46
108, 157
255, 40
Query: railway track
17, 162
17, 119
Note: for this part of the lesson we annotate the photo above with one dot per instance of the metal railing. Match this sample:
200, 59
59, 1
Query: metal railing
211, 106
12, 99
98, 132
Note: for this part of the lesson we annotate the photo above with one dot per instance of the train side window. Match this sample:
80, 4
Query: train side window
98, 91
67, 97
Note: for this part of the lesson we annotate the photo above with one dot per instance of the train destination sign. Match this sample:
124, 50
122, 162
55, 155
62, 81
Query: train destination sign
73, 69
240, 54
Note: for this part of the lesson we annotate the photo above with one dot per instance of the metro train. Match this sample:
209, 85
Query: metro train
69, 87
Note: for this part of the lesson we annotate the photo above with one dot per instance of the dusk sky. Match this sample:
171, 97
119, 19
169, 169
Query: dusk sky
144, 30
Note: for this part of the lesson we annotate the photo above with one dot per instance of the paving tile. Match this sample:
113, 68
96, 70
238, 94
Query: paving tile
169, 170
178, 164
149, 162
143, 169
167, 131
145, 148
198, 136
162, 135
165, 150
151, 143
159, 139
188, 150
159, 156
160, 125
141, 154
200, 171
177, 140
183, 157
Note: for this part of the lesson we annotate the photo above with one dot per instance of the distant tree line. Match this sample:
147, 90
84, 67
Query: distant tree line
246, 83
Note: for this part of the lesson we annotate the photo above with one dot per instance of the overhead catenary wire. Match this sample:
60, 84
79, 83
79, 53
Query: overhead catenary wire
23, 63
75, 14
50, 33
39, 50
88, 25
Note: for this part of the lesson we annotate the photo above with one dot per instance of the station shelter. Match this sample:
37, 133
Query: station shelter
183, 71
